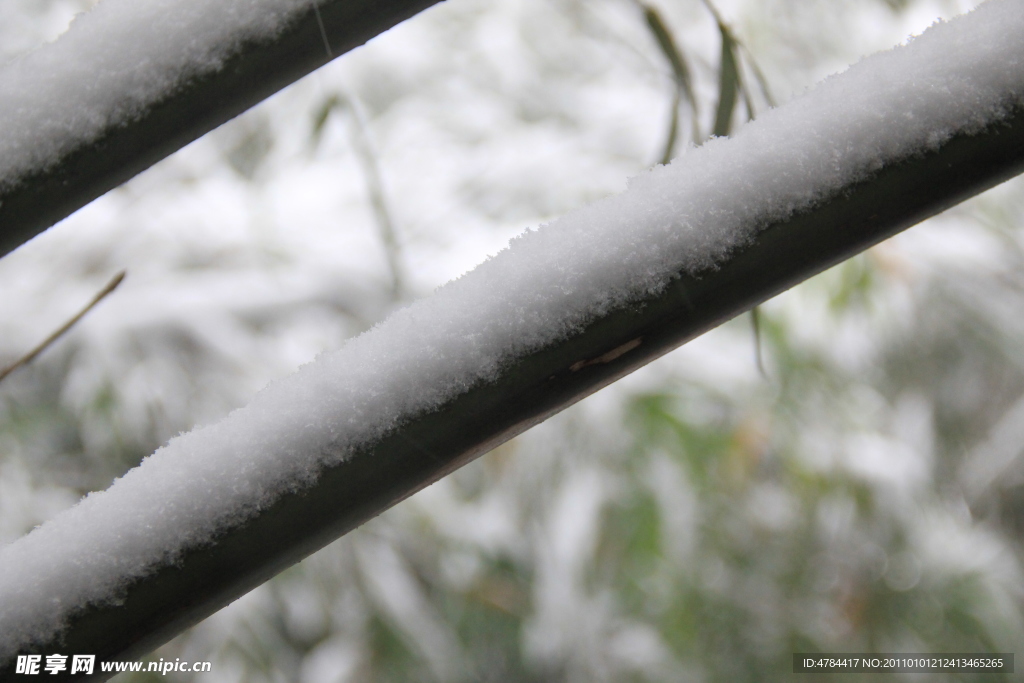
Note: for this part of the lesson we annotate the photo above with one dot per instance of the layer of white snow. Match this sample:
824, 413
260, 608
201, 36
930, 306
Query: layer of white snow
957, 77
113, 62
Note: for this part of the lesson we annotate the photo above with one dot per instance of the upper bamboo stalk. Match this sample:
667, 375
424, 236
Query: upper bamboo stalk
136, 130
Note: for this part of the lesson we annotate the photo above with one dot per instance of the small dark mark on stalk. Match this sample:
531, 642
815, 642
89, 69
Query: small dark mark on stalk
607, 357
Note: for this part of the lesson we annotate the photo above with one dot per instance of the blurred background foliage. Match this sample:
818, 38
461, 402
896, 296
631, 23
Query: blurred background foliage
849, 479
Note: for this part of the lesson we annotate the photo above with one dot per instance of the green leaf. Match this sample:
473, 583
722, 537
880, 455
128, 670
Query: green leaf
322, 114
672, 53
673, 132
730, 70
681, 76
728, 83
762, 82
755, 319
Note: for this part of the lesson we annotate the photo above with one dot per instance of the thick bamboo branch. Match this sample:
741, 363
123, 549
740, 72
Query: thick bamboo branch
259, 69
429, 446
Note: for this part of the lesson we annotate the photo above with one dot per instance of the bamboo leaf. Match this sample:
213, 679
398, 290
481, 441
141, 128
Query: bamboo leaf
748, 101
680, 74
673, 132
321, 116
728, 83
672, 53
736, 45
762, 82
755, 320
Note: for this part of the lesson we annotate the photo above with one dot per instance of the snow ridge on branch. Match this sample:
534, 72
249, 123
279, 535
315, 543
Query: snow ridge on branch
114, 62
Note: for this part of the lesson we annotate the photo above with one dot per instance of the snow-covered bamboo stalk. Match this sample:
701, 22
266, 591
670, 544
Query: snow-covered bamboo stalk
131, 82
564, 311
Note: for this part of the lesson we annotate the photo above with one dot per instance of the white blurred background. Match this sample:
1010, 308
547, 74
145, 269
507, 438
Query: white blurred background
699, 521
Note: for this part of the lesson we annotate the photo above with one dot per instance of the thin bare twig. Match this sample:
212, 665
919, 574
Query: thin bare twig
361, 144
378, 199
30, 356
